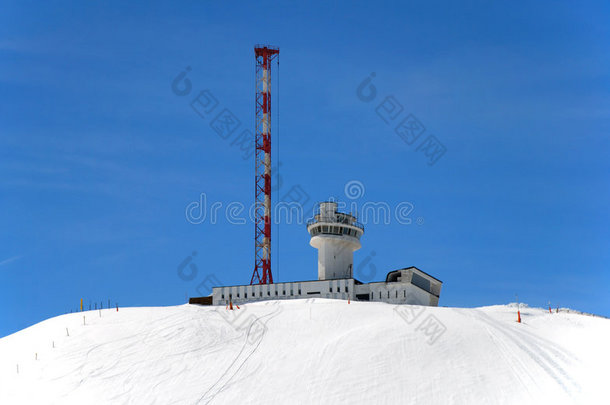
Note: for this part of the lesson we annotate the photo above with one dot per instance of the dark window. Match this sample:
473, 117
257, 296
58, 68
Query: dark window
223, 296
379, 294
299, 291
330, 289
245, 295
260, 294
276, 293
421, 282
284, 292
268, 293
346, 289
405, 293
388, 294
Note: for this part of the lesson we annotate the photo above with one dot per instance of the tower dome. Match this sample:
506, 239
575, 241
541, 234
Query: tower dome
336, 235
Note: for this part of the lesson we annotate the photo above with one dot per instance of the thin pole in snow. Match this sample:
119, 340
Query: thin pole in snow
518, 309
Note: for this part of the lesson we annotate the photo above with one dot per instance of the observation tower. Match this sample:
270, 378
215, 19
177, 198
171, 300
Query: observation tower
336, 235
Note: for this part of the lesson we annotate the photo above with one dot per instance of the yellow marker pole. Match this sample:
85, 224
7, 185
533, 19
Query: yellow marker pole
81, 305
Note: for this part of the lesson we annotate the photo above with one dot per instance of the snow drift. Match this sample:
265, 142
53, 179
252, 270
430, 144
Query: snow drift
308, 351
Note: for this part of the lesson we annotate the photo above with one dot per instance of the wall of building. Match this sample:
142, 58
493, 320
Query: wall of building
396, 293
338, 289
393, 293
335, 256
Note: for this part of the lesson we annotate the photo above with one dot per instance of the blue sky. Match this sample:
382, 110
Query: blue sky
100, 158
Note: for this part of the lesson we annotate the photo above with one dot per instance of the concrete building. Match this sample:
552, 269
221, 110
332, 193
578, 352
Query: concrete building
337, 235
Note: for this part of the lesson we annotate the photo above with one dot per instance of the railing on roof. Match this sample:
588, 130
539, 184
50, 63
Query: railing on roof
334, 221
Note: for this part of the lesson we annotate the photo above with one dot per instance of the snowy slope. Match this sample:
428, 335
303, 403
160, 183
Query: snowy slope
308, 351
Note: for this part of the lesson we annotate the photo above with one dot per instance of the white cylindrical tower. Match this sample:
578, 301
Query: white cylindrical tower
336, 235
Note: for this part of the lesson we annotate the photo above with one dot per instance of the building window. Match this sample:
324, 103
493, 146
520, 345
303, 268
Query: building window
223, 296
346, 290
230, 296
299, 291
291, 292
260, 294
276, 293
379, 294
284, 292
338, 289
245, 295
237, 295
388, 294
268, 293
330, 289
405, 291
371, 296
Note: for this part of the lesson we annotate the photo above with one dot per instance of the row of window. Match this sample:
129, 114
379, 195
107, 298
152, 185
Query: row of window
299, 293
404, 293
260, 294
334, 230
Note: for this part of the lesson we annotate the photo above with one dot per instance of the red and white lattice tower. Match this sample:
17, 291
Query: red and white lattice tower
262, 165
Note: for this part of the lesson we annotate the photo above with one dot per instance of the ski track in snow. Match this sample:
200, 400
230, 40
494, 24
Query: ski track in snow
537, 352
247, 349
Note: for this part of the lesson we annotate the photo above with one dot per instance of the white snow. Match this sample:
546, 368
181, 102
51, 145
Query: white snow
309, 351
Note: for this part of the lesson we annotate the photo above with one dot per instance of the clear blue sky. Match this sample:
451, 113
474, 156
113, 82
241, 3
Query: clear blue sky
99, 158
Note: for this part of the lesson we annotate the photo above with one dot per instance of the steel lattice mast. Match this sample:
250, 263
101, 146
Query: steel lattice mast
262, 165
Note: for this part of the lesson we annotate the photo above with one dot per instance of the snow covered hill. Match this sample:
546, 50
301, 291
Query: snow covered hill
309, 351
